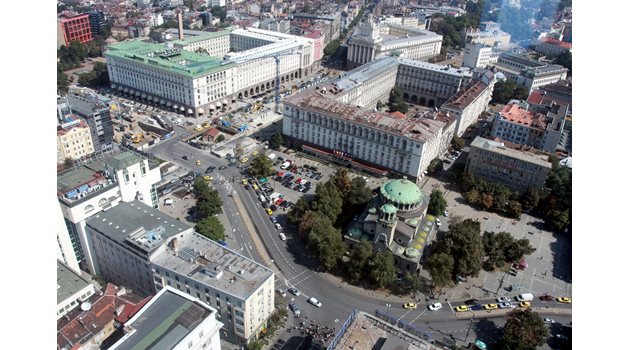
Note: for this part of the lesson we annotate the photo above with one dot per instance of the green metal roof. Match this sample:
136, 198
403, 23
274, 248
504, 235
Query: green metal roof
402, 191
202, 37
388, 209
182, 62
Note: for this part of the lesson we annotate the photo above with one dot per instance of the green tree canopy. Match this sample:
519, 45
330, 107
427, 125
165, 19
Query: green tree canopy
299, 209
360, 194
440, 266
359, 257
209, 202
457, 143
276, 141
211, 227
396, 102
382, 269
327, 200
524, 330
530, 199
564, 59
261, 166
326, 241
435, 166
218, 11
341, 182
506, 90
463, 242
437, 203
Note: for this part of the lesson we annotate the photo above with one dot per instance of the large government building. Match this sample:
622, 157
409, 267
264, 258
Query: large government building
202, 73
338, 121
370, 39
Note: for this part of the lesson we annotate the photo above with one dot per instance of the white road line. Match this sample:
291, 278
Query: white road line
422, 313
451, 306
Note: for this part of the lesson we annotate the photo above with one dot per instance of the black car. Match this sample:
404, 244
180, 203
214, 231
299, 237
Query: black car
476, 307
222, 167
186, 157
471, 302
210, 169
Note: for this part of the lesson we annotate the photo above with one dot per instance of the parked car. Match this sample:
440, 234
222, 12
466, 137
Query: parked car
490, 306
564, 300
471, 302
506, 305
282, 236
435, 306
546, 297
315, 302
294, 291
503, 300
476, 307
410, 306
461, 308
281, 292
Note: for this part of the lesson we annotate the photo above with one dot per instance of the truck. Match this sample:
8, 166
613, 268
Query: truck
525, 297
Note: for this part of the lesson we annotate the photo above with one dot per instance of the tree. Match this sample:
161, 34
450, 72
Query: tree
276, 140
530, 199
261, 166
457, 143
517, 249
332, 47
487, 201
564, 59
514, 209
306, 223
437, 203
299, 209
62, 83
463, 242
211, 227
68, 163
209, 202
524, 330
382, 269
238, 150
327, 200
411, 283
440, 266
326, 241
380, 105
359, 194
218, 11
359, 257
97, 77
472, 196
396, 103
342, 182
506, 90
435, 166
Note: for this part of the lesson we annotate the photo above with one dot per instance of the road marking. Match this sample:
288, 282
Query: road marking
405, 314
422, 313
451, 306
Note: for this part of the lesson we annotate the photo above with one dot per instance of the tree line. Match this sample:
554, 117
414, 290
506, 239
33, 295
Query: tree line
208, 205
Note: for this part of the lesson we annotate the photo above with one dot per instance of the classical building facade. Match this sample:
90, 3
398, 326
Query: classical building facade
74, 139
467, 105
196, 75
529, 73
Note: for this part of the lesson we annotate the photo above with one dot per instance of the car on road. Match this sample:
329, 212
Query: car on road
564, 300
255, 187
524, 304
198, 127
282, 236
244, 160
273, 219
548, 320
461, 308
244, 182
506, 305
546, 297
471, 302
435, 306
476, 307
281, 292
197, 162
186, 157
222, 167
277, 225
294, 291
269, 211
438, 222
210, 169
503, 300
295, 309
208, 178
255, 153
410, 306
446, 213
315, 302
490, 306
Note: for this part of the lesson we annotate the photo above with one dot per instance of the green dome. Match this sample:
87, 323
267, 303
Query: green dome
412, 222
355, 232
388, 209
402, 191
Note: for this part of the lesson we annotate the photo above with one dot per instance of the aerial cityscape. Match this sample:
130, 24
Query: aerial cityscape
310, 174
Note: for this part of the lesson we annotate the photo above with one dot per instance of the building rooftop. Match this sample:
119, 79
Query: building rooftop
68, 282
164, 321
420, 129
137, 225
402, 191
366, 72
458, 72
557, 42
79, 326
518, 115
207, 262
365, 331
176, 61
520, 154
191, 39
70, 122
466, 96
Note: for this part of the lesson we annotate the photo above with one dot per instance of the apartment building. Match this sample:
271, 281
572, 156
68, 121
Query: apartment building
529, 73
72, 289
95, 110
467, 105
74, 139
479, 56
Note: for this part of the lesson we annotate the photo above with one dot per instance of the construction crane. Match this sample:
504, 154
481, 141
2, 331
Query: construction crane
276, 56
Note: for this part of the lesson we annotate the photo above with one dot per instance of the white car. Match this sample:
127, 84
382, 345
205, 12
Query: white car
282, 236
438, 222
277, 225
503, 300
435, 306
548, 320
446, 213
315, 302
506, 305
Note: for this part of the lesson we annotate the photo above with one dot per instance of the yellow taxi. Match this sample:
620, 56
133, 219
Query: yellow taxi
208, 178
524, 304
207, 125
198, 162
244, 160
244, 182
490, 306
461, 308
564, 300
255, 187
411, 306
198, 127
255, 153
269, 212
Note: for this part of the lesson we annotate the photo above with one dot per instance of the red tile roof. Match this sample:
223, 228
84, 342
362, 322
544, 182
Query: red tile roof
398, 115
214, 132
535, 97
557, 42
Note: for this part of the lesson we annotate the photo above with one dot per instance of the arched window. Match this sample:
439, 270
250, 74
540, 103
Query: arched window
89, 208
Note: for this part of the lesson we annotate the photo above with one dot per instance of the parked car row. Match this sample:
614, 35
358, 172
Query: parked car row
521, 300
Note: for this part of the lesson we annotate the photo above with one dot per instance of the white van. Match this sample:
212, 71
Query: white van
525, 297
168, 201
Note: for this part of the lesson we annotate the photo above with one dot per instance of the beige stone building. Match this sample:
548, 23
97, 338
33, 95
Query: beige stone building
74, 140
